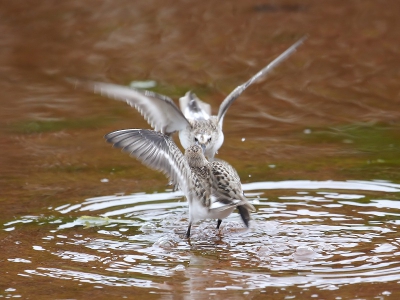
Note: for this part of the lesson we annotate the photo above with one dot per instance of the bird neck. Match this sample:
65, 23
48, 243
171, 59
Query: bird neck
198, 162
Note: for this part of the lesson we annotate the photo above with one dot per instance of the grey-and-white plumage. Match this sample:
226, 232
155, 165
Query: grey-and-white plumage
194, 121
213, 189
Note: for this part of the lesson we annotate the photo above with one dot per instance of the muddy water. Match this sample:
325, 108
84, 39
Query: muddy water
316, 144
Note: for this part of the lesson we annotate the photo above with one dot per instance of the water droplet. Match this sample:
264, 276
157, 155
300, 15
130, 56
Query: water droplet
386, 293
264, 252
148, 228
166, 242
39, 248
304, 253
179, 268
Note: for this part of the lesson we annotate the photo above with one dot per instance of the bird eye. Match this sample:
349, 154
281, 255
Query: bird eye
209, 139
195, 139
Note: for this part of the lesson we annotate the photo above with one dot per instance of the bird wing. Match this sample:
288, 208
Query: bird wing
241, 88
227, 185
228, 188
219, 204
155, 150
158, 110
193, 108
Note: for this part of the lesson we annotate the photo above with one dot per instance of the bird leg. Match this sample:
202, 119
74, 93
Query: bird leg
188, 230
219, 223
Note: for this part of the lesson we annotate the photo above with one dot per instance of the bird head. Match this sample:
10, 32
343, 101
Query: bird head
208, 136
195, 156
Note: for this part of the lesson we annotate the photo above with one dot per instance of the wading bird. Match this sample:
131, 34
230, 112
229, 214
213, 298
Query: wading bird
194, 121
213, 189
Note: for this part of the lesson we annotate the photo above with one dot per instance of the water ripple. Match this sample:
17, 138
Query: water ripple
306, 233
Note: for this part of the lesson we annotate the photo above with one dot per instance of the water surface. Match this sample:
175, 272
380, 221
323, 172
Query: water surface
316, 144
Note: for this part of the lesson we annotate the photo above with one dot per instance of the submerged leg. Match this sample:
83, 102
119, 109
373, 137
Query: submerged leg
219, 223
188, 230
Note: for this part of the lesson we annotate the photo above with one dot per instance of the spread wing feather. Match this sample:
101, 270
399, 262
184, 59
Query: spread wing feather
156, 151
158, 110
241, 88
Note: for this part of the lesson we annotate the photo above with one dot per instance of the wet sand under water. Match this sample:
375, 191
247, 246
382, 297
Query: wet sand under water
316, 144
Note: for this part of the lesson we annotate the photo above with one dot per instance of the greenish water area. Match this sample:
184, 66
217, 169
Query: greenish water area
316, 144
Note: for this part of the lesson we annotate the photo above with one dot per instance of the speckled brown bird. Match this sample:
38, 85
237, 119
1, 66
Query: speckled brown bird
213, 189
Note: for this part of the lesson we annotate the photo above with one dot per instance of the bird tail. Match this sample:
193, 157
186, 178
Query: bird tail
244, 214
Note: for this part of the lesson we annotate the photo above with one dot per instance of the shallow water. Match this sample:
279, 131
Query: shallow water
317, 146
309, 234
